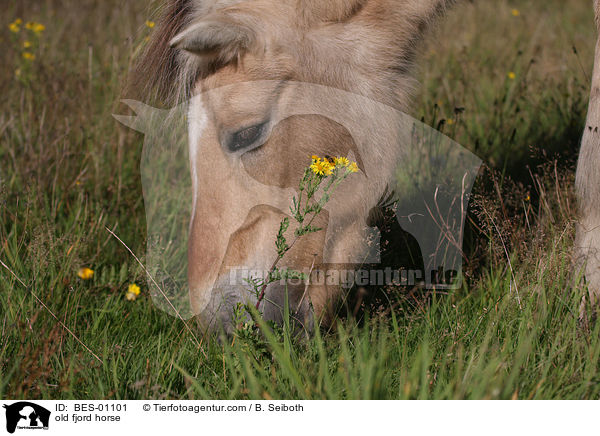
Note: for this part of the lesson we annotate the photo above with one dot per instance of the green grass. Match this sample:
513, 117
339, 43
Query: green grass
67, 172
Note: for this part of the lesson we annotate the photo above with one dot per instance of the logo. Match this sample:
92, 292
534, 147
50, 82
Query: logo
26, 415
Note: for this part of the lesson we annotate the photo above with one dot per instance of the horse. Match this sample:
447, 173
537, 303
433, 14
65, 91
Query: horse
235, 61
587, 182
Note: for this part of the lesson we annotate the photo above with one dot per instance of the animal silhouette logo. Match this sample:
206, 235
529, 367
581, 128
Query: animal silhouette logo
26, 415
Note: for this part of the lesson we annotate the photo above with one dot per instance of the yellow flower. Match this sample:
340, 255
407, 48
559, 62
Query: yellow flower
38, 28
328, 168
150, 24
14, 27
341, 162
316, 165
528, 198
134, 289
28, 55
18, 72
85, 273
450, 121
515, 12
132, 292
512, 75
321, 167
26, 44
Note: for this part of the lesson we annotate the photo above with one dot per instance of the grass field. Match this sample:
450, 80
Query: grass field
507, 79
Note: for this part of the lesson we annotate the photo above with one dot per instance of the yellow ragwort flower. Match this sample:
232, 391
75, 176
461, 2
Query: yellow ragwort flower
512, 75
321, 167
150, 24
341, 162
14, 27
132, 292
28, 55
326, 166
85, 273
515, 12
27, 44
134, 289
316, 165
37, 28
450, 121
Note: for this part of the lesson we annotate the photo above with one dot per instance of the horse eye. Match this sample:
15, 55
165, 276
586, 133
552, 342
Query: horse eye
245, 138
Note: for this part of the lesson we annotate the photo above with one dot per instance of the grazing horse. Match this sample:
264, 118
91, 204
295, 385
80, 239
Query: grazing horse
366, 47
218, 51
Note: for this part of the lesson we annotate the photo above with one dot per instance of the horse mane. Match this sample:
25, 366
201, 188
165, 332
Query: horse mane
158, 68
163, 75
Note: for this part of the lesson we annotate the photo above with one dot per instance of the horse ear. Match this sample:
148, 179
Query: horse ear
215, 36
